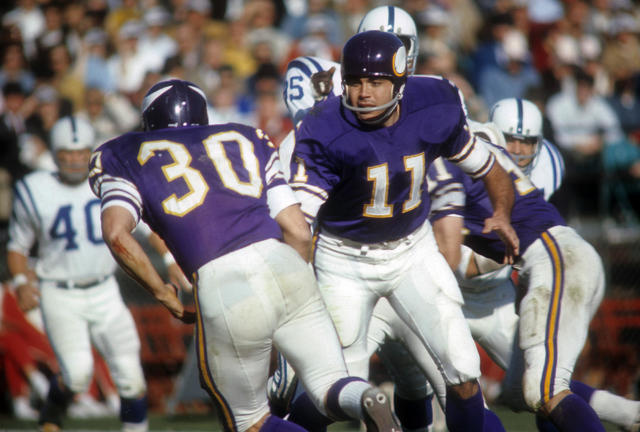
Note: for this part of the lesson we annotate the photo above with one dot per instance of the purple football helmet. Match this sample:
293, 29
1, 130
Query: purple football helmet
174, 103
374, 54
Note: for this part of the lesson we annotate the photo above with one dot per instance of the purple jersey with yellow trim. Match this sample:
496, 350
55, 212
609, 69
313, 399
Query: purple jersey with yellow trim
454, 192
203, 189
366, 183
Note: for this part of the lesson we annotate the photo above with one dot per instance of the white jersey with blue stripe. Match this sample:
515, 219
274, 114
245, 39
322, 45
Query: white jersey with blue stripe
64, 220
546, 171
297, 83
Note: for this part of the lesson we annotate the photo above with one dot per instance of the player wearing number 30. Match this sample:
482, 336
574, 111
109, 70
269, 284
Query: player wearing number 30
217, 196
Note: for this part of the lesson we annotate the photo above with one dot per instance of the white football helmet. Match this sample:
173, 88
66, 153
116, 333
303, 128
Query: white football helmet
394, 20
72, 133
69, 134
518, 119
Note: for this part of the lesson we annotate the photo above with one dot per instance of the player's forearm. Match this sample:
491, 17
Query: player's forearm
500, 189
295, 230
17, 263
117, 225
448, 234
133, 260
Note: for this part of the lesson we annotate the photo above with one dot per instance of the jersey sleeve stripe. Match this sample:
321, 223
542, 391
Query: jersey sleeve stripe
24, 195
273, 169
314, 63
466, 150
302, 66
304, 187
476, 161
116, 186
121, 201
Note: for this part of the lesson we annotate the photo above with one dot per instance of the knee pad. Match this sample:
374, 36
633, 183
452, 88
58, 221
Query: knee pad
129, 377
77, 376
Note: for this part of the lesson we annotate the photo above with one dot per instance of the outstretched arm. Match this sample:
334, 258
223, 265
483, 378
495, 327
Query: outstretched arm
117, 224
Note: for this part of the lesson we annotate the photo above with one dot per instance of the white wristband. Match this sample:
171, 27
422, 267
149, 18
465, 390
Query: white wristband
20, 279
168, 259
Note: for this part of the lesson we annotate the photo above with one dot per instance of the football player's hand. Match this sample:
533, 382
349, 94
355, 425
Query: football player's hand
507, 234
28, 296
322, 83
170, 301
177, 277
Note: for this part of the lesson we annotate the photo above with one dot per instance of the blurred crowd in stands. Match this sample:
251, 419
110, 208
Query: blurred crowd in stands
579, 60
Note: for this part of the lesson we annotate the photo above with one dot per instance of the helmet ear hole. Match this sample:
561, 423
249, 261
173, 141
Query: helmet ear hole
174, 103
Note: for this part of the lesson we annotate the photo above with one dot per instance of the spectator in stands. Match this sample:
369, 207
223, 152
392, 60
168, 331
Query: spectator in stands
67, 81
34, 142
190, 46
28, 18
76, 23
489, 51
624, 157
583, 123
53, 33
14, 68
125, 10
296, 26
207, 74
12, 125
227, 101
154, 37
93, 64
260, 17
110, 114
271, 115
237, 52
129, 64
11, 168
621, 56
316, 42
514, 77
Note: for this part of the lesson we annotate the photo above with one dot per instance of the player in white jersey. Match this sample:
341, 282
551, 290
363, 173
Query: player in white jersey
75, 287
520, 122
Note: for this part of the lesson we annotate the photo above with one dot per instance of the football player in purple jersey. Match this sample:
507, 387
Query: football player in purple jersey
561, 282
358, 169
217, 197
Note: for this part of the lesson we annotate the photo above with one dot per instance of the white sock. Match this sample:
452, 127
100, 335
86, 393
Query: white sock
39, 383
136, 427
615, 409
350, 398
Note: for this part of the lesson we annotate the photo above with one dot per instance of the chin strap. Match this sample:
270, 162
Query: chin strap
388, 107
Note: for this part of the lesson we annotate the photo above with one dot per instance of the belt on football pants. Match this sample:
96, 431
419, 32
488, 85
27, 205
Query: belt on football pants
80, 284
